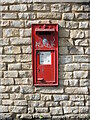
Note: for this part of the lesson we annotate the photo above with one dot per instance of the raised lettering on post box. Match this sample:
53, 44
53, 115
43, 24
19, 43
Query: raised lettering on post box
45, 54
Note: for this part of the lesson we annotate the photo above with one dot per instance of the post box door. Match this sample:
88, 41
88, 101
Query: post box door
45, 67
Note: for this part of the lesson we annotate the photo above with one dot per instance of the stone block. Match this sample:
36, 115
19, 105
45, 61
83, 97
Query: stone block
71, 24
11, 32
84, 82
3, 109
31, 110
26, 89
4, 23
17, 23
85, 66
16, 96
26, 49
9, 16
68, 110
42, 110
65, 59
56, 111
60, 97
64, 33
41, 115
76, 50
82, 16
4, 41
36, 103
76, 90
63, 50
4, 96
3, 8
2, 66
24, 116
10, 74
32, 97
17, 109
77, 34
87, 50
21, 81
49, 15
72, 66
12, 50
26, 66
8, 58
20, 102
1, 50
68, 16
76, 97
81, 42
46, 97
41, 7
2, 89
80, 58
19, 41
83, 25
7, 81
21, 7
1, 33
14, 66
25, 32
29, 16
87, 35
7, 102
84, 109
77, 7
80, 74
52, 104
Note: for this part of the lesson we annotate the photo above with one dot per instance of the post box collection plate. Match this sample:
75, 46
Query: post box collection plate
45, 54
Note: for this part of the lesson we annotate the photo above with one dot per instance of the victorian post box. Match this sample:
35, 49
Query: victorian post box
45, 54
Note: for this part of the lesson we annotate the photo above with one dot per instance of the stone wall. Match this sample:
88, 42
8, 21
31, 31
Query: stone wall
19, 99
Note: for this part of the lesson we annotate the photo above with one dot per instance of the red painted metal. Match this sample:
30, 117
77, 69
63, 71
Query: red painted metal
45, 54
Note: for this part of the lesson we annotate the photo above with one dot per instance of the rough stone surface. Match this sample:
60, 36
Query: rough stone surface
19, 98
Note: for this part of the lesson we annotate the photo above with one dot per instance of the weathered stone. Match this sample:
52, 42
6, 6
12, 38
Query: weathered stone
63, 33
4, 41
52, 104
80, 74
20, 102
49, 15
41, 7
1, 50
84, 109
63, 50
21, 7
81, 42
70, 110
26, 66
31, 110
14, 66
12, 50
7, 102
63, 75
65, 59
17, 109
36, 103
77, 7
20, 41
26, 89
26, 49
2, 66
25, 74
10, 74
76, 97
71, 67
29, 16
4, 23
3, 109
4, 96
1, 33
9, 15
25, 32
16, 96
42, 110
11, 32
71, 24
80, 90
87, 35
60, 97
87, 50
7, 81
3, 8
84, 82
17, 23
2, 89
68, 16
61, 8
83, 24
56, 111
80, 58
24, 116
46, 97
82, 16
85, 66
66, 103
76, 50
8, 58
32, 96
21, 81
73, 82
77, 34
41, 115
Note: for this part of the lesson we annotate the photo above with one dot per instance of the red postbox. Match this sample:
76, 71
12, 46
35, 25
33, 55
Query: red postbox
45, 54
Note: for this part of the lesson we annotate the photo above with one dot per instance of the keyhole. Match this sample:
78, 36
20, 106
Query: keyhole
39, 70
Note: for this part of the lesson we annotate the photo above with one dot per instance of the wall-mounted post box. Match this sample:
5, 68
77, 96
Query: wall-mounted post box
45, 54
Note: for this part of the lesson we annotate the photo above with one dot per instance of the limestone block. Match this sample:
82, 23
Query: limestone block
72, 66
4, 23
2, 66
26, 66
46, 97
41, 7
16, 96
30, 16
3, 109
8, 58
68, 16
17, 23
64, 33
76, 50
3, 8
65, 59
80, 58
10, 74
60, 97
77, 34
56, 111
76, 97
26, 89
52, 104
17, 109
14, 66
82, 16
9, 16
7, 102
25, 32
20, 102
36, 103
80, 74
71, 24
83, 24
32, 97
42, 110
21, 7
7, 81
4, 96
21, 81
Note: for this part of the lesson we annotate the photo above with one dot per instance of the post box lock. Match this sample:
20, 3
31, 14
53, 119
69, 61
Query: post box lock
45, 54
